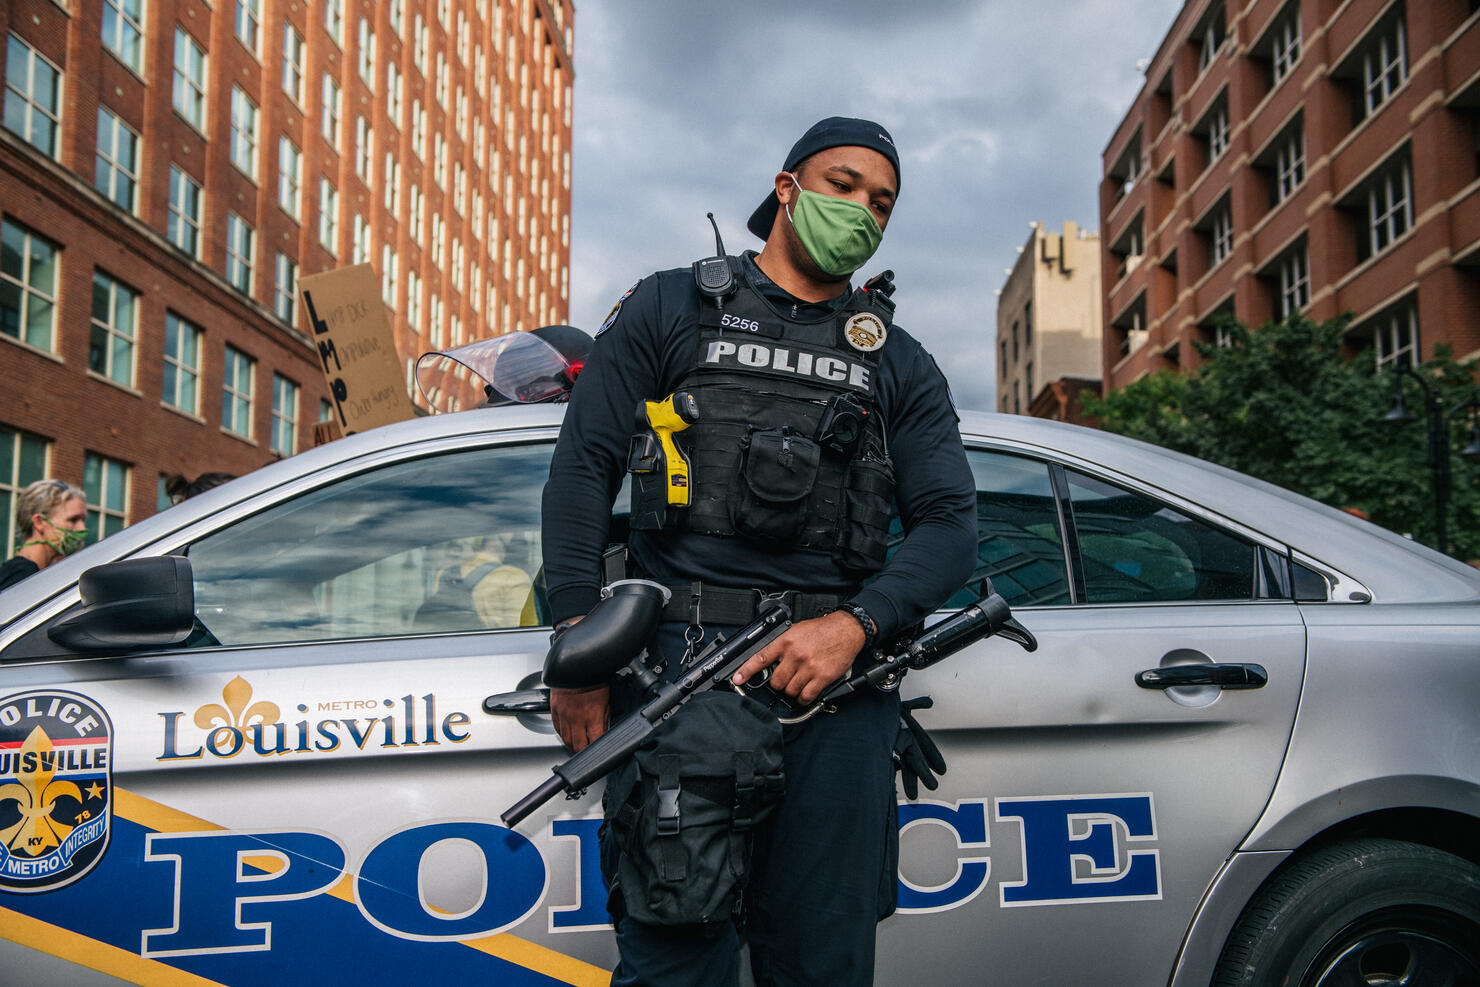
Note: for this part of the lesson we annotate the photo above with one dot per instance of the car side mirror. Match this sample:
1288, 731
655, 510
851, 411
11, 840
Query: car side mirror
131, 605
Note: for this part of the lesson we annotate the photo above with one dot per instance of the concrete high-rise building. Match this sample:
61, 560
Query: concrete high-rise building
1048, 325
170, 168
1298, 155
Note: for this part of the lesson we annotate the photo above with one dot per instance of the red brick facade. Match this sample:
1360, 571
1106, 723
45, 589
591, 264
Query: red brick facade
1384, 96
498, 193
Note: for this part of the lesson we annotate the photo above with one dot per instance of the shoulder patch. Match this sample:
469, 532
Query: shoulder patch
612, 315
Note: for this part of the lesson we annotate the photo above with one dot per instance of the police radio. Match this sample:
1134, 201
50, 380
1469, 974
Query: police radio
712, 275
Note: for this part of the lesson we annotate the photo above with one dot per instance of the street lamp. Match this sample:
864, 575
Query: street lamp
1438, 421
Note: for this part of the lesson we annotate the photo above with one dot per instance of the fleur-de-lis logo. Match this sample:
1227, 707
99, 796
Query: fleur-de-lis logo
37, 793
239, 712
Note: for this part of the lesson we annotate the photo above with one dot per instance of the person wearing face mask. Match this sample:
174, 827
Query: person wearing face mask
809, 418
51, 522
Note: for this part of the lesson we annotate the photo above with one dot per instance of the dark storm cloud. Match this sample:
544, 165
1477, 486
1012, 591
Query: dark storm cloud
1000, 110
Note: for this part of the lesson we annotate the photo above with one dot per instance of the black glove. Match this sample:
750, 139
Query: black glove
915, 754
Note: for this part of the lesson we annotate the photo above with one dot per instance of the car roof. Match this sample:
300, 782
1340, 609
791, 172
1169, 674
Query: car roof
1394, 568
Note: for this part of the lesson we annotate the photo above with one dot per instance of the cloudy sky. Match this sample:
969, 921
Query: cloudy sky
1000, 110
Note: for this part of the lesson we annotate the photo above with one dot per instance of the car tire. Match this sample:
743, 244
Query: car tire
1366, 911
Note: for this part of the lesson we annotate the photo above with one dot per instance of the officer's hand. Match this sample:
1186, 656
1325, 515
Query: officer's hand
809, 657
579, 714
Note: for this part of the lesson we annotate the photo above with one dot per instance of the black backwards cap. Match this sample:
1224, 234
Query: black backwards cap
832, 132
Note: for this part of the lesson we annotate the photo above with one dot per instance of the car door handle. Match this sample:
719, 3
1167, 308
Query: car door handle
1231, 675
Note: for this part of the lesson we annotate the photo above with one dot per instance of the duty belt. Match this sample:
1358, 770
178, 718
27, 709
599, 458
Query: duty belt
702, 603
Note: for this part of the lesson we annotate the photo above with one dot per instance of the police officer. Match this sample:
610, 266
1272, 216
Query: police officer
815, 415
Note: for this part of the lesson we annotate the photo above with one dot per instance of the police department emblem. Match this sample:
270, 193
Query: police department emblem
865, 331
56, 789
612, 315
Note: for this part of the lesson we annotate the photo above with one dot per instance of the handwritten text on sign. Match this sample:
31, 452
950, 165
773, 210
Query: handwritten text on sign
356, 349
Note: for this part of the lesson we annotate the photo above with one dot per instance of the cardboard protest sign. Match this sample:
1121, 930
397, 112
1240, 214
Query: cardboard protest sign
356, 348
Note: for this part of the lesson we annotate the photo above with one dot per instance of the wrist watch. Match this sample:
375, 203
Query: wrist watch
870, 629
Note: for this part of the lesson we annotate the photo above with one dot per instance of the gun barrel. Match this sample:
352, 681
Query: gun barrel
533, 801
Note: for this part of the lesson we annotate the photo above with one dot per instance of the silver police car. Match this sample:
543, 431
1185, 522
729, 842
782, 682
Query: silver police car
242, 741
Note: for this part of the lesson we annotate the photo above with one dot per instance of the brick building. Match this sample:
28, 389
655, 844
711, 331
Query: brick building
1048, 325
168, 170
1311, 155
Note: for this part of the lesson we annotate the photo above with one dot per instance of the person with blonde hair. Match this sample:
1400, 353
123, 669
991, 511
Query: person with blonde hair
50, 522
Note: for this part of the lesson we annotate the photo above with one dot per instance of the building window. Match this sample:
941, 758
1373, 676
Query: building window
33, 96
437, 236
328, 216
413, 300
182, 364
115, 318
442, 80
183, 226
1289, 163
329, 122
391, 177
236, 392
1220, 233
1384, 62
419, 47
293, 61
394, 91
28, 286
240, 241
334, 20
285, 288
290, 177
1218, 132
398, 16
1294, 282
1389, 207
22, 462
439, 162
284, 438
435, 311
189, 92
388, 275
418, 129
105, 487
366, 54
1395, 337
1210, 35
123, 31
360, 245
364, 139
248, 23
1284, 39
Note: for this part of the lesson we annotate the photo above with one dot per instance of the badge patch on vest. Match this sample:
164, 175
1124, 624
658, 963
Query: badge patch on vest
865, 332
56, 790
612, 315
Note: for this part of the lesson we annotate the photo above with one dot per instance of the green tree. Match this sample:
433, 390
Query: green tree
1282, 404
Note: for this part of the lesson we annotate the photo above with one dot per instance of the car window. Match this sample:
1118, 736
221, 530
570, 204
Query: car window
1138, 549
1019, 543
443, 543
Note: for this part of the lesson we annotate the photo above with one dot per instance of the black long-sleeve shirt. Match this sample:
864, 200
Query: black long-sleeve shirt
643, 354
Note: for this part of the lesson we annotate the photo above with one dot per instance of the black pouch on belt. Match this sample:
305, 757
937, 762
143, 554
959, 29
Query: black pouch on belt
777, 471
679, 814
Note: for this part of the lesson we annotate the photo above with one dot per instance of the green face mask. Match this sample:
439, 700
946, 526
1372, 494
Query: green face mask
71, 540
838, 234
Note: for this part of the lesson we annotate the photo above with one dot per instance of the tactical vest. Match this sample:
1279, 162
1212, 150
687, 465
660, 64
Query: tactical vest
788, 447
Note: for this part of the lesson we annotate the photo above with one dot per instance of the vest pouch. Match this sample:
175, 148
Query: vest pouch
778, 468
868, 498
676, 843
